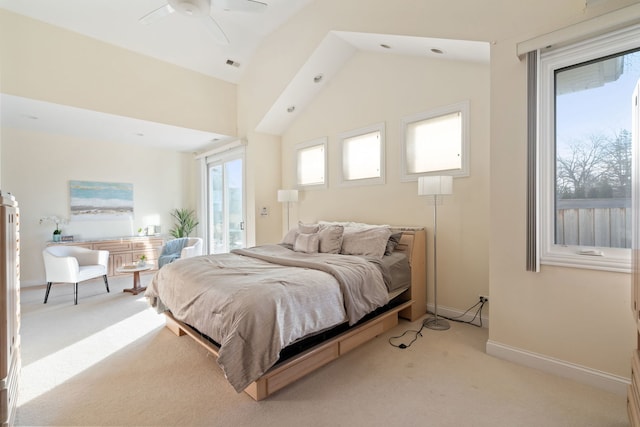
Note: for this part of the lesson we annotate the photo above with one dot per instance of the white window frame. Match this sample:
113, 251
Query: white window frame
305, 145
222, 150
613, 259
460, 107
380, 179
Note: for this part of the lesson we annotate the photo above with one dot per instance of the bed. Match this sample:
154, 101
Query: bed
274, 313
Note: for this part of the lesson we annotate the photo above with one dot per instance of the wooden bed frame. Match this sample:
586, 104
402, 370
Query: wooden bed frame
414, 305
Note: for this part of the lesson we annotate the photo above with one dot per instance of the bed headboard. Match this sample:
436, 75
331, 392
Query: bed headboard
413, 243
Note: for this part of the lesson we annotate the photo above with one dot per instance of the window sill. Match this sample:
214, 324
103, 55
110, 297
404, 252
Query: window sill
572, 259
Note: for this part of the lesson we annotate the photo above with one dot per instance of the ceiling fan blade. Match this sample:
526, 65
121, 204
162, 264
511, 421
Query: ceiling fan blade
215, 30
157, 14
241, 5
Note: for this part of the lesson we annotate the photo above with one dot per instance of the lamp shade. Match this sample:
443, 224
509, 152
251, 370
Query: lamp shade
287, 195
435, 185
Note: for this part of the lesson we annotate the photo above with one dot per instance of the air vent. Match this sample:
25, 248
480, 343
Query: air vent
233, 63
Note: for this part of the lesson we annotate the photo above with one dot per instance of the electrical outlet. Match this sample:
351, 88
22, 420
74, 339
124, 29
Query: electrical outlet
483, 298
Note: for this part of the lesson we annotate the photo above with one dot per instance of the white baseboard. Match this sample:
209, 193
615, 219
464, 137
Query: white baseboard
613, 383
455, 313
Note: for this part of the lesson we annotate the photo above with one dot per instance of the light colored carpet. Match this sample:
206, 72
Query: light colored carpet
109, 361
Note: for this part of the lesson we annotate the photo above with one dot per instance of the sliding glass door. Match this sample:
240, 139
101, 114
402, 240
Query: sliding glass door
225, 209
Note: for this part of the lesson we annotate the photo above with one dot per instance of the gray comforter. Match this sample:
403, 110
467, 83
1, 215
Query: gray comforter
254, 302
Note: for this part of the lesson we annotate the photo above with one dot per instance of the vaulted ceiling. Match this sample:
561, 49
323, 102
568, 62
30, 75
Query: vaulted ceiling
188, 41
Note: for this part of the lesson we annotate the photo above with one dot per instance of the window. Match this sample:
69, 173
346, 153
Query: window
363, 156
436, 142
311, 163
585, 114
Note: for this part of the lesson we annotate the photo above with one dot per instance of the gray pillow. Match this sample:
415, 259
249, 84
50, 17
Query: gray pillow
393, 241
330, 238
290, 237
307, 243
307, 228
365, 241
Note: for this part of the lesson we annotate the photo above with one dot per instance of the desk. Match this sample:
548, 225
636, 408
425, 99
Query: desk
135, 269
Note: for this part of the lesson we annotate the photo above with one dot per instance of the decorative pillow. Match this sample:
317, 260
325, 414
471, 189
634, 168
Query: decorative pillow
307, 243
352, 224
393, 241
330, 238
342, 223
364, 225
290, 237
365, 241
307, 228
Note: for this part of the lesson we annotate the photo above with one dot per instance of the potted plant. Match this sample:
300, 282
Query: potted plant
142, 260
186, 222
57, 233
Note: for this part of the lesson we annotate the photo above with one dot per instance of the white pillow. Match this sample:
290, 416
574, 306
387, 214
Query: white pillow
352, 224
342, 223
364, 225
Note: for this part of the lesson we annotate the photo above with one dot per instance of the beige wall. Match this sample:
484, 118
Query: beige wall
37, 168
575, 315
374, 88
44, 62
263, 181
581, 317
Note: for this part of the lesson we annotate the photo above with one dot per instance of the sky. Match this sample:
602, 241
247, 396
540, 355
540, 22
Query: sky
603, 110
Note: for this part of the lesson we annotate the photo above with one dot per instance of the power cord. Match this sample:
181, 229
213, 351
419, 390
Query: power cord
478, 315
403, 345
418, 332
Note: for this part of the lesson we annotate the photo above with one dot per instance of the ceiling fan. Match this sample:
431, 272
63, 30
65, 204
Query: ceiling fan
201, 9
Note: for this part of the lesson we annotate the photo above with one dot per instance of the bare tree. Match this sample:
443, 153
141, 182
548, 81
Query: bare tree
618, 160
583, 168
597, 167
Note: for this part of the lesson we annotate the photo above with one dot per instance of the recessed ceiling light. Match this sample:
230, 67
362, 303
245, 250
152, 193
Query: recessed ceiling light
438, 51
139, 134
29, 116
318, 78
385, 46
291, 109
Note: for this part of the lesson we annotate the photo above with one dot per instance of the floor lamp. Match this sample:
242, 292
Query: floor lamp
288, 196
435, 186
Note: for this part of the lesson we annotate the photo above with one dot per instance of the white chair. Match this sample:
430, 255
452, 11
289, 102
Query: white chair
183, 247
193, 247
74, 264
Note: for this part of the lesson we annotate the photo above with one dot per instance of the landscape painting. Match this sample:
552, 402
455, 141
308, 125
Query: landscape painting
101, 200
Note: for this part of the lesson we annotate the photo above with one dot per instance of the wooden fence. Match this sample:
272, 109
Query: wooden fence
594, 222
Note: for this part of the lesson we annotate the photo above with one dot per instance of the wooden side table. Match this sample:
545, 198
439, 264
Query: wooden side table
135, 269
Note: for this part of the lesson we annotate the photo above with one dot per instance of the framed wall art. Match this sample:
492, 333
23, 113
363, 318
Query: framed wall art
91, 200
